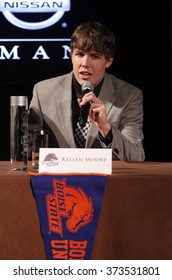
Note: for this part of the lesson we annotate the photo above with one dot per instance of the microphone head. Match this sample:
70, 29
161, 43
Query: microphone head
87, 86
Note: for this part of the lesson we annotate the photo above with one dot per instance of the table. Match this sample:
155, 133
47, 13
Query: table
135, 220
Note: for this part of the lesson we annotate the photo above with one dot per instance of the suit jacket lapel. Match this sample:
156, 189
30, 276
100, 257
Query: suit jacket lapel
64, 106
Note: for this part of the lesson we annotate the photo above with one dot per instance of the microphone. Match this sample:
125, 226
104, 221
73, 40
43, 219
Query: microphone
86, 87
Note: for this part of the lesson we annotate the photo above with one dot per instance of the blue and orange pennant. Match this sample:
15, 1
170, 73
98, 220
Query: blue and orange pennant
68, 207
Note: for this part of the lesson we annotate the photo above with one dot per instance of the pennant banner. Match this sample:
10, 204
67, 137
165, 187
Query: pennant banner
68, 208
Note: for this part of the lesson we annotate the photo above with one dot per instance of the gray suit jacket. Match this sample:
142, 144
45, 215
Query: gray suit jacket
50, 108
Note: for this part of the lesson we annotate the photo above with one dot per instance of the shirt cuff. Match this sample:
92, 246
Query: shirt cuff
108, 139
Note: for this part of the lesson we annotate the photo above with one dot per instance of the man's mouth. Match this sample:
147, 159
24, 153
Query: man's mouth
83, 73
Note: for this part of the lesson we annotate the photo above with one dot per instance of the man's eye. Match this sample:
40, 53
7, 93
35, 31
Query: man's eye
95, 56
79, 54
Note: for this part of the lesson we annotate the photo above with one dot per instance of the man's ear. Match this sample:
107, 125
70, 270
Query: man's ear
109, 62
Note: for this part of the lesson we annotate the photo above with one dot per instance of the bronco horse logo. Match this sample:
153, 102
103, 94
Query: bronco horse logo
50, 157
79, 208
71, 203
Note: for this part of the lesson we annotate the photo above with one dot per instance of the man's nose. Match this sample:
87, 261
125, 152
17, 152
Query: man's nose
85, 61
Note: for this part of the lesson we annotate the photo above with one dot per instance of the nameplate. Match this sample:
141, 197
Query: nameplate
68, 160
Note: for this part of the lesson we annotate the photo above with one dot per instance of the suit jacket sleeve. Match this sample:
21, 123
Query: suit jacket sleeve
125, 114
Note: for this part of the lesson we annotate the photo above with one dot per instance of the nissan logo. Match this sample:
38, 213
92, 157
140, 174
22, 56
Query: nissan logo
57, 7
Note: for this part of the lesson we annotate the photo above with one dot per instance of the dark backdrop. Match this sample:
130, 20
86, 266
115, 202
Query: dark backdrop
143, 57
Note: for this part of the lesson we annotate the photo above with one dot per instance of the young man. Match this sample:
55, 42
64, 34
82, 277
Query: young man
114, 113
